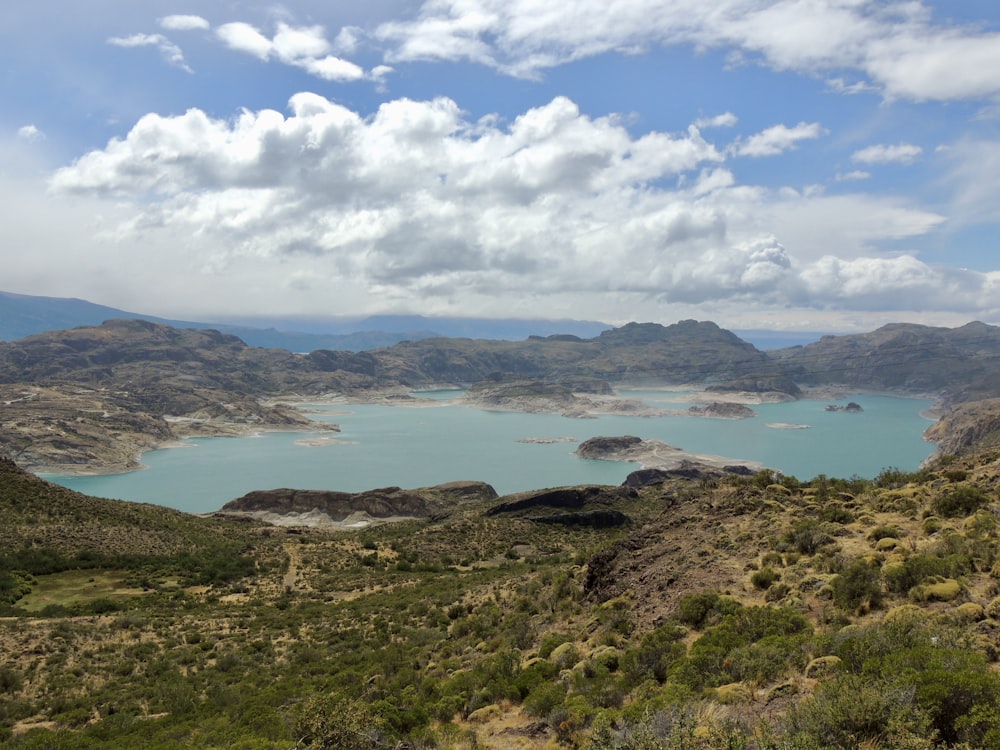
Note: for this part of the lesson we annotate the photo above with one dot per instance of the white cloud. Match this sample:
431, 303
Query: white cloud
899, 283
347, 40
303, 47
417, 202
183, 23
29, 133
973, 179
901, 153
777, 139
243, 37
945, 65
895, 48
854, 175
725, 120
170, 51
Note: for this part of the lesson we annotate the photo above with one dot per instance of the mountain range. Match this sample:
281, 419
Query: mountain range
96, 397
24, 315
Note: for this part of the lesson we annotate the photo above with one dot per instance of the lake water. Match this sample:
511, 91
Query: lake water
380, 446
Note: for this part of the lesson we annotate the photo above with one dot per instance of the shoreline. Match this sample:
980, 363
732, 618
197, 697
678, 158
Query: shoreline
412, 399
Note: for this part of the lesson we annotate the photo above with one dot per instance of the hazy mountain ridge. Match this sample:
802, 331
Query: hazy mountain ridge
24, 315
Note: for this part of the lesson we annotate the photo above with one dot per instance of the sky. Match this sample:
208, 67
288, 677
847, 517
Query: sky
822, 165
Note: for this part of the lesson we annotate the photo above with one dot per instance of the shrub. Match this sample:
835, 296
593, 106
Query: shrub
858, 584
10, 680
849, 712
915, 569
763, 578
940, 590
807, 536
836, 513
695, 610
654, 655
335, 722
959, 501
884, 532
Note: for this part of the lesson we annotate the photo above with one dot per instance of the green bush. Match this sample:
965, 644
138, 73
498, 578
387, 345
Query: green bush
695, 610
807, 536
858, 584
336, 722
763, 578
959, 501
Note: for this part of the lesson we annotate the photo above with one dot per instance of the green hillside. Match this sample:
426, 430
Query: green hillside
717, 611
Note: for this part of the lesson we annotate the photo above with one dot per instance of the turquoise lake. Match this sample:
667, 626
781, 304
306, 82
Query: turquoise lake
380, 446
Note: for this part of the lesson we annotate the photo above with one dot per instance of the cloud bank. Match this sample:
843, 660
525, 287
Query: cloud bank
418, 202
894, 48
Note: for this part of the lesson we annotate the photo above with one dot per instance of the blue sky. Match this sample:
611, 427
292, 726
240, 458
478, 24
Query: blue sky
794, 164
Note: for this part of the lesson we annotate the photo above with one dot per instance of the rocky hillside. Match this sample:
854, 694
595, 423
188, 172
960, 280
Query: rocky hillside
697, 609
961, 363
637, 353
95, 397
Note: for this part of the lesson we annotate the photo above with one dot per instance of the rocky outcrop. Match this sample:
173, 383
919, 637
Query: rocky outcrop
653, 454
722, 410
584, 497
850, 406
686, 470
607, 447
967, 428
382, 503
772, 387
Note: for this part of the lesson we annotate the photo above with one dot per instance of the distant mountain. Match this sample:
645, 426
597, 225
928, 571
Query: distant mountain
961, 363
768, 340
24, 315
99, 395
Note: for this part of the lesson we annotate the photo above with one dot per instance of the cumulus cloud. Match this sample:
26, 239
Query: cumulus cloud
853, 175
895, 48
416, 201
901, 153
183, 23
899, 283
170, 51
29, 133
777, 139
725, 120
304, 47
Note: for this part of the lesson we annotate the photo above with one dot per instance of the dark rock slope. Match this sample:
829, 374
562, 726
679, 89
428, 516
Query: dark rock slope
962, 363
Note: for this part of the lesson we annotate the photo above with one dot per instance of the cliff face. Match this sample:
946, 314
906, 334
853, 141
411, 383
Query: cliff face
967, 428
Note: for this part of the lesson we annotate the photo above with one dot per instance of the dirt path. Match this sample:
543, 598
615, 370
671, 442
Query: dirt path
294, 560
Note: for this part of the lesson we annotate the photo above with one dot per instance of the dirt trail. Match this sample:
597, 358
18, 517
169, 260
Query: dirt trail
294, 560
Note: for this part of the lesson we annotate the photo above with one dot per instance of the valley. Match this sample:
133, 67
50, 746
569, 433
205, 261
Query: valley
694, 605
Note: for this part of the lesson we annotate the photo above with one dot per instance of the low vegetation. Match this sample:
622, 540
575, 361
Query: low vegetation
759, 612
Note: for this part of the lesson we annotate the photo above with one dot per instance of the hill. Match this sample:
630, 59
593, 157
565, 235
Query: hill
718, 611
48, 529
959, 363
95, 397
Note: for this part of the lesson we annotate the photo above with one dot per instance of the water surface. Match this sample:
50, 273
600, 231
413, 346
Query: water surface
380, 446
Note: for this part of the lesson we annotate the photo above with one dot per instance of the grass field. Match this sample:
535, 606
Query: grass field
76, 587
